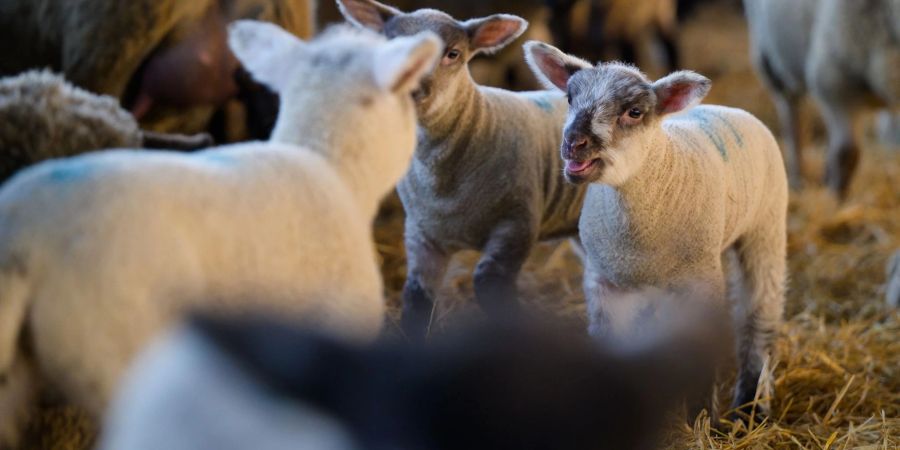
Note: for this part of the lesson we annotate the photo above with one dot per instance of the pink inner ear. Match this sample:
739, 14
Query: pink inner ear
494, 33
365, 14
675, 97
554, 69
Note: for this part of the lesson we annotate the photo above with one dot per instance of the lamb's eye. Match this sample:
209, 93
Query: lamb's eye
631, 117
452, 54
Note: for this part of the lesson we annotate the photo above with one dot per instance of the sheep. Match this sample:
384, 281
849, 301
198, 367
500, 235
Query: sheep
99, 252
255, 383
844, 53
485, 175
893, 280
167, 61
42, 117
672, 198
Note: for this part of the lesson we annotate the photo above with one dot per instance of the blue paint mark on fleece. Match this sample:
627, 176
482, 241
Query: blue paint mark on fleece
215, 156
712, 128
71, 170
542, 102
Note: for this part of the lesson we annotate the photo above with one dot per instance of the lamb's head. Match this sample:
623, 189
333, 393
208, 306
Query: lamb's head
615, 111
463, 41
345, 94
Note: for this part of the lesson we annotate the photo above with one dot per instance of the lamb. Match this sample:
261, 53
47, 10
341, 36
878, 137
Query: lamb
485, 175
672, 198
99, 252
844, 53
331, 395
42, 117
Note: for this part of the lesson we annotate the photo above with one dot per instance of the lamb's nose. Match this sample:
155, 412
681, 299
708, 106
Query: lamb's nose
574, 144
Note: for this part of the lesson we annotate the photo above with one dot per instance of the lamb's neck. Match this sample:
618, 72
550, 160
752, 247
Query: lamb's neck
309, 135
650, 194
447, 132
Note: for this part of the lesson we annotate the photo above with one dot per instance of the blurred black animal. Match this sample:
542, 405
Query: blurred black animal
514, 385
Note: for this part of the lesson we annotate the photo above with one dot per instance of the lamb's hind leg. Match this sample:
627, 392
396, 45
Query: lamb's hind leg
759, 309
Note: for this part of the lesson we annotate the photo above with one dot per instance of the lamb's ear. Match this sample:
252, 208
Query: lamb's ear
680, 90
492, 33
266, 50
551, 66
367, 13
400, 63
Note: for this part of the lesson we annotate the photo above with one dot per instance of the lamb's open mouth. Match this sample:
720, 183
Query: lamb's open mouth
581, 169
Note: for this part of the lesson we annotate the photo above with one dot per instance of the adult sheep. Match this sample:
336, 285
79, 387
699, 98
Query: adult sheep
167, 61
99, 252
846, 54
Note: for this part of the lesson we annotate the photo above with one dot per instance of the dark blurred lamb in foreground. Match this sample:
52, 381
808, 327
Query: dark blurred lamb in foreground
256, 384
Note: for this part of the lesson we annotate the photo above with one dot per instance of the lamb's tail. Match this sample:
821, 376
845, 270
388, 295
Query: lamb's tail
14, 291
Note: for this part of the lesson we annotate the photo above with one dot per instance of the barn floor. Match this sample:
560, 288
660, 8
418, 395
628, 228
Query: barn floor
836, 372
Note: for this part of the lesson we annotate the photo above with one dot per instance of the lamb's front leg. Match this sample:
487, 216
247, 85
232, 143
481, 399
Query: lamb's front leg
426, 265
502, 258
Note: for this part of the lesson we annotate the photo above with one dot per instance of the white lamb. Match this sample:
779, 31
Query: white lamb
670, 197
98, 253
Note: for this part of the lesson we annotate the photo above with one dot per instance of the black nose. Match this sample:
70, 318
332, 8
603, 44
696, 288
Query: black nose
573, 144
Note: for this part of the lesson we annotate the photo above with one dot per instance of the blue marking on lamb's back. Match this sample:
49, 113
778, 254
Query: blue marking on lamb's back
542, 102
712, 124
70, 171
216, 156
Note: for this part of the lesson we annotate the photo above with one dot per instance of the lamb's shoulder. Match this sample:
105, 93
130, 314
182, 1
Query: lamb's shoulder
718, 132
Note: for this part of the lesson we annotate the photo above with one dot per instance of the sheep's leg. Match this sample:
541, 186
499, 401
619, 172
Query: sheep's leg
496, 272
426, 265
759, 310
789, 114
843, 149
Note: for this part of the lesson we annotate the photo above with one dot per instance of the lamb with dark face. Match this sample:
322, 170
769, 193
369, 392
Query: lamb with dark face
611, 107
485, 175
672, 198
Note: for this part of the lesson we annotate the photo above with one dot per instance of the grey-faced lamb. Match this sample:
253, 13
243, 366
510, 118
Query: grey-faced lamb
99, 252
846, 54
42, 117
485, 175
671, 197
252, 384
